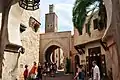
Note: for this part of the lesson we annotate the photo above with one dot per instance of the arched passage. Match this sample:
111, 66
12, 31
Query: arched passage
49, 52
50, 46
54, 44
54, 54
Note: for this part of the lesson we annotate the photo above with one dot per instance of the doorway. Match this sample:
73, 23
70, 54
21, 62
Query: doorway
77, 62
94, 54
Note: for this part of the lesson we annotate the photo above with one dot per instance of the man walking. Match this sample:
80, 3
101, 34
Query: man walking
96, 71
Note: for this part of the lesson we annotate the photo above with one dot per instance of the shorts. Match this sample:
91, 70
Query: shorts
33, 76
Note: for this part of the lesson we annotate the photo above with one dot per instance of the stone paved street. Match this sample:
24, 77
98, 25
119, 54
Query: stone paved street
59, 76
65, 77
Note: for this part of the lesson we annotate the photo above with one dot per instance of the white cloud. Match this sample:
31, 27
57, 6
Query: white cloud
63, 11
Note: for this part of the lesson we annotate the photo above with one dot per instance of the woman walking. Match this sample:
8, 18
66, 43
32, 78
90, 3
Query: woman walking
79, 75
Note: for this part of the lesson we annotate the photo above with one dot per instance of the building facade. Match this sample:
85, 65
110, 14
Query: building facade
52, 42
23, 31
90, 47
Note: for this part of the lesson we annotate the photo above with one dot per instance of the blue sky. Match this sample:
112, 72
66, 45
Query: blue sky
63, 9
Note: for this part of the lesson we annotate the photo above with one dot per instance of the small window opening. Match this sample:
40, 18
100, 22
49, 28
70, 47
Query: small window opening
96, 24
36, 28
22, 28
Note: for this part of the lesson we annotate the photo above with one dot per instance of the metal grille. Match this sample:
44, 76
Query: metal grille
29, 4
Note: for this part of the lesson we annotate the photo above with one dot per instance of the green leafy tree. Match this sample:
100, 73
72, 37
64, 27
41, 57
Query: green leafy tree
84, 8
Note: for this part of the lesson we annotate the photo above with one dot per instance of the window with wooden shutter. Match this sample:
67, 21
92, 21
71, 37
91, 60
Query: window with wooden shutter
86, 27
95, 23
22, 28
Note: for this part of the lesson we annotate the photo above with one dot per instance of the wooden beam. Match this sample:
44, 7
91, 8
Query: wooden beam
104, 45
79, 49
12, 47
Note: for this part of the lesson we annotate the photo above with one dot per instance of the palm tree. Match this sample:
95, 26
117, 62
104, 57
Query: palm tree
83, 8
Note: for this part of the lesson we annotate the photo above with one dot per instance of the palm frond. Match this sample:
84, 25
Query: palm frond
80, 11
89, 19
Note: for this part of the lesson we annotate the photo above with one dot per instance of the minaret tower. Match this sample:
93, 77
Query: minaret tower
51, 24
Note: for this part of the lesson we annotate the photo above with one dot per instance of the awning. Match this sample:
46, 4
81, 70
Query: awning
80, 49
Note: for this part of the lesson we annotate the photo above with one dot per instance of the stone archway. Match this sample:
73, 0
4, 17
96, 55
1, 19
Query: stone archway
55, 54
60, 39
49, 48
48, 53
54, 44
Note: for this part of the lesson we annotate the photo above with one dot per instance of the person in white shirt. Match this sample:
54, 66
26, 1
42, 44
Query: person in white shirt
96, 71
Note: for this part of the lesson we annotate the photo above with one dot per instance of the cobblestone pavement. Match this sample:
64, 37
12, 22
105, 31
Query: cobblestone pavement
59, 76
65, 77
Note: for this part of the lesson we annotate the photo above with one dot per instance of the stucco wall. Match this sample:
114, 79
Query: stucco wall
113, 9
28, 39
9, 67
112, 58
14, 19
27, 14
0, 20
85, 38
17, 15
10, 59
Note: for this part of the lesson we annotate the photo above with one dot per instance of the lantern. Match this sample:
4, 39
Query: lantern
29, 4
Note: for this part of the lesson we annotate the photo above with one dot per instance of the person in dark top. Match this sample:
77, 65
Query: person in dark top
51, 70
54, 67
79, 73
39, 72
26, 72
44, 69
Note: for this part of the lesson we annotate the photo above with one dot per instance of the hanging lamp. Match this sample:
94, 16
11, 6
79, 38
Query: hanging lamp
29, 4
